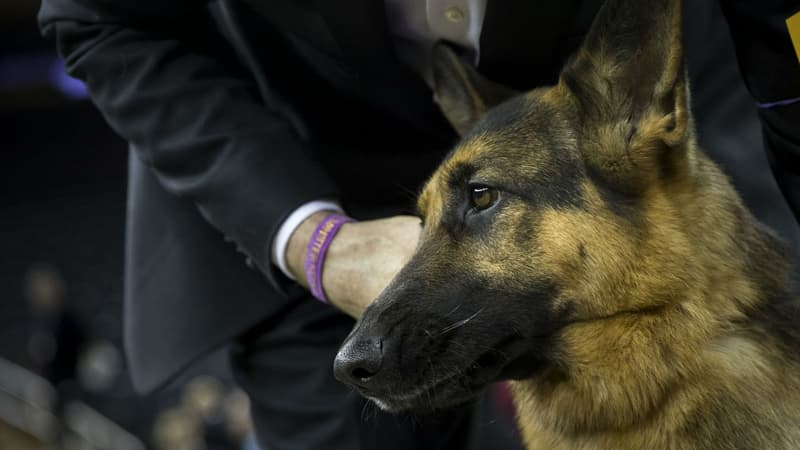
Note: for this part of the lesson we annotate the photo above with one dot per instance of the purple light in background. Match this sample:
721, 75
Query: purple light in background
35, 70
68, 86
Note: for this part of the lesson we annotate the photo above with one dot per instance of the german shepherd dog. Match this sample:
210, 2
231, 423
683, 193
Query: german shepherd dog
579, 243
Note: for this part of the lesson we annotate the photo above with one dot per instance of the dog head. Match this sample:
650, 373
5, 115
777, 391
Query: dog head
559, 206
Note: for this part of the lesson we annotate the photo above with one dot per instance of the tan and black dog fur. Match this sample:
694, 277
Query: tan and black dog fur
578, 242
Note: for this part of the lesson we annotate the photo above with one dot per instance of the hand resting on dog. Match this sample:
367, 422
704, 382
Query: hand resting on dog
362, 259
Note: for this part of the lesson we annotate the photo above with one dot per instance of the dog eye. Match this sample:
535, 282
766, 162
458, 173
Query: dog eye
483, 197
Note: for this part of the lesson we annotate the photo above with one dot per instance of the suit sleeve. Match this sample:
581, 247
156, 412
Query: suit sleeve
158, 72
771, 70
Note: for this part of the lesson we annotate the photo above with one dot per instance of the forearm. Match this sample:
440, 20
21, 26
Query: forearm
362, 258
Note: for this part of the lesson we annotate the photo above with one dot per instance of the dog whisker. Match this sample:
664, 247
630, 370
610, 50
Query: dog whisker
368, 411
453, 310
460, 323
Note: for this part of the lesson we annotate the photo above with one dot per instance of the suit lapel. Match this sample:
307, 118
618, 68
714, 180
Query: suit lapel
361, 31
359, 27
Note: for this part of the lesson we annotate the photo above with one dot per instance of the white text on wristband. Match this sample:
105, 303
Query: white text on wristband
317, 248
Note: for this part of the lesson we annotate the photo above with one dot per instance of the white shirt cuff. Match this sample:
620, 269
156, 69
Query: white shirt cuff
281, 240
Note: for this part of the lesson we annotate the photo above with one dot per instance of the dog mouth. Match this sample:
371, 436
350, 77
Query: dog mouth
456, 387
448, 391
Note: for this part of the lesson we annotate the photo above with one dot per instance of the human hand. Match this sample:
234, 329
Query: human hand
362, 258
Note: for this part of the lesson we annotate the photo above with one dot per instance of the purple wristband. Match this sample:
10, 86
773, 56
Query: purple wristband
315, 254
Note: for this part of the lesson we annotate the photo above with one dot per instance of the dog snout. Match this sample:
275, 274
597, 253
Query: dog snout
359, 360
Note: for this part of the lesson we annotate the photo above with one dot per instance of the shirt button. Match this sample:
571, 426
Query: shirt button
454, 14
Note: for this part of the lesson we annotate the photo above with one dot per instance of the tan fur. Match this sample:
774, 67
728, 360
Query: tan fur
640, 378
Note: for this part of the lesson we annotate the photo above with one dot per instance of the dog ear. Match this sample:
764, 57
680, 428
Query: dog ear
462, 93
629, 83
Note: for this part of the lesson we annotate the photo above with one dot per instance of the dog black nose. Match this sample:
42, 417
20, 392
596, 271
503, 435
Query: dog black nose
359, 360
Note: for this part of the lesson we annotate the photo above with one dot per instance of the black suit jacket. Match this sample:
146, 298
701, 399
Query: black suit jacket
239, 112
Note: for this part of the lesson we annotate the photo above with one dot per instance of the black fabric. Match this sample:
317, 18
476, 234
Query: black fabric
512, 54
186, 290
727, 122
771, 71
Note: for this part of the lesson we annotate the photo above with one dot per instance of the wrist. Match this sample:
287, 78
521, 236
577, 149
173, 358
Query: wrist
298, 245
280, 241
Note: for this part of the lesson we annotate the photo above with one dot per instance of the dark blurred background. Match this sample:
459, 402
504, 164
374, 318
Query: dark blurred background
62, 203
